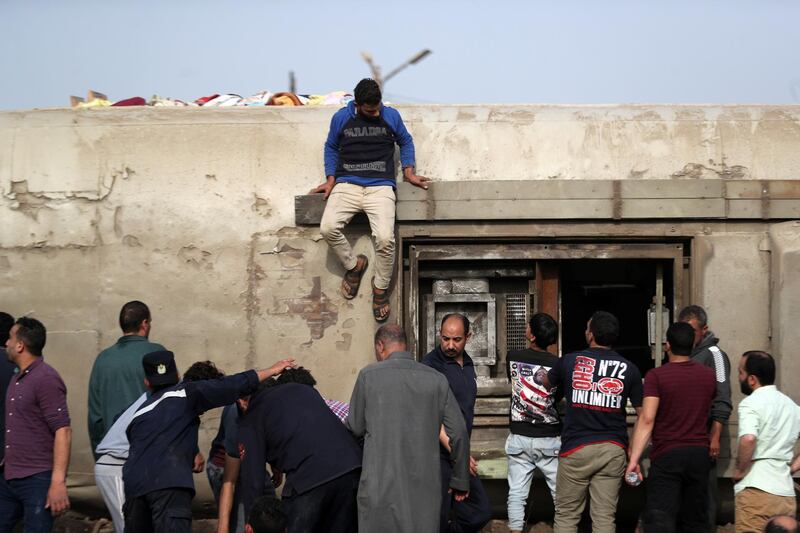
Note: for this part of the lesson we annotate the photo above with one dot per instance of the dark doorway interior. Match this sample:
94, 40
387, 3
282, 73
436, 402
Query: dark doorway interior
623, 287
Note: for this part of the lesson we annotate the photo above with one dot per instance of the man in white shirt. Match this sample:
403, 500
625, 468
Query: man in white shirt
769, 426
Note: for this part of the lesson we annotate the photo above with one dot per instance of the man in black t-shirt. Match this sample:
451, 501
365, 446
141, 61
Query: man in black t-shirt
534, 422
597, 384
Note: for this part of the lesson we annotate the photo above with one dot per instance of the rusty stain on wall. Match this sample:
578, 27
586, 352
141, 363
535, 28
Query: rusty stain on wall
316, 309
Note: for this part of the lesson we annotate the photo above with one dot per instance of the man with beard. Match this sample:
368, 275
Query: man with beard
452, 361
707, 351
360, 171
677, 398
769, 425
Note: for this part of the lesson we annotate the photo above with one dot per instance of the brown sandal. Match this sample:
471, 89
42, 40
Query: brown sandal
380, 304
352, 278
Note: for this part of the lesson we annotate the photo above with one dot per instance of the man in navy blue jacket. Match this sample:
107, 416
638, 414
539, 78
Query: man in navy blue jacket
163, 441
451, 359
289, 426
360, 172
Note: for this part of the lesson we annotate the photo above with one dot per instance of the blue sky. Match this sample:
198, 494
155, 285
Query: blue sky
483, 52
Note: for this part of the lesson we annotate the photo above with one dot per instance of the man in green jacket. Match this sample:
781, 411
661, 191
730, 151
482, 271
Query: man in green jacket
117, 377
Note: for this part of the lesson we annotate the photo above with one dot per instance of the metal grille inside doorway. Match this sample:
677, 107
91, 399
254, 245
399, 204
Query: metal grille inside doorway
517, 312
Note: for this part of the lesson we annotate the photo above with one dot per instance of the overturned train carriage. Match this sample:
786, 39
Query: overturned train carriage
201, 213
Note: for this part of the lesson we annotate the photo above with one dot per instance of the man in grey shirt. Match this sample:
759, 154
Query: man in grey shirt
112, 453
399, 405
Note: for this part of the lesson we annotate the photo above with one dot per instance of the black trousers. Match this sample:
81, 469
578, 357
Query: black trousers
160, 511
468, 516
677, 492
713, 495
330, 507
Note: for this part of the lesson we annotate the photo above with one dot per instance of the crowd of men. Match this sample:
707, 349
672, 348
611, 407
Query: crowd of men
396, 458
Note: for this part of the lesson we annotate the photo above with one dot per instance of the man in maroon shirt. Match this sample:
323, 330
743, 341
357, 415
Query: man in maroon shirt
38, 435
677, 399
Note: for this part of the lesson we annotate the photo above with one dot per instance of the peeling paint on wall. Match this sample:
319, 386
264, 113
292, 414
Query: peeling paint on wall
291, 258
316, 309
131, 240
195, 256
697, 170
261, 206
26, 202
344, 344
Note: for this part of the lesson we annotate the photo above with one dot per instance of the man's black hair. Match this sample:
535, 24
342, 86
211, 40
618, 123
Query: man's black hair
202, 370
464, 321
761, 365
32, 333
297, 375
391, 334
267, 515
6, 323
773, 526
680, 337
131, 316
605, 328
693, 311
367, 92
544, 329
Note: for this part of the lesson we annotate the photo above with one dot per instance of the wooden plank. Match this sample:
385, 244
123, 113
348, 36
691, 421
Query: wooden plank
671, 188
579, 200
783, 189
507, 190
493, 468
504, 209
674, 208
494, 387
784, 209
483, 421
743, 189
547, 287
492, 406
755, 189
744, 208
308, 209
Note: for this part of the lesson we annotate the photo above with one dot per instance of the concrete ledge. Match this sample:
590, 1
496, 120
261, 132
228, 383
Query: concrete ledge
677, 199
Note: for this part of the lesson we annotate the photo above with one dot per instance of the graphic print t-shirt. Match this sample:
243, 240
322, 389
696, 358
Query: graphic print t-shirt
533, 407
597, 385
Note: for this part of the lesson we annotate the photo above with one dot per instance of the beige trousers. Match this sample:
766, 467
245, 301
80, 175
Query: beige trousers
755, 507
598, 469
345, 201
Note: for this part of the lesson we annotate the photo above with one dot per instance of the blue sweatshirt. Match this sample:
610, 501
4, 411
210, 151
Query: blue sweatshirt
360, 150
